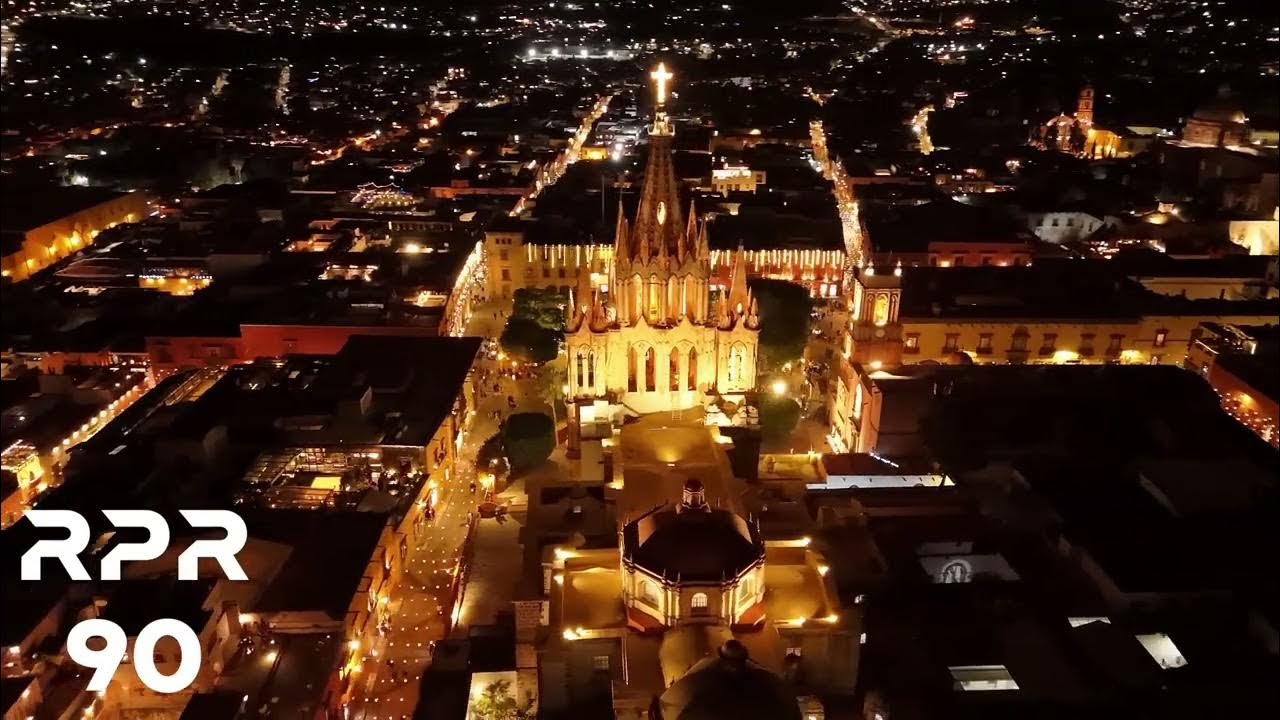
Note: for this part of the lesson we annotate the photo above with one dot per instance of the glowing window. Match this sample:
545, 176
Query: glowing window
880, 314
1161, 649
648, 593
699, 601
982, 677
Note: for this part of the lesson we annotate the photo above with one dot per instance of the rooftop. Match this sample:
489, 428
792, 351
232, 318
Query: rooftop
327, 564
911, 228
695, 545
1051, 289
21, 212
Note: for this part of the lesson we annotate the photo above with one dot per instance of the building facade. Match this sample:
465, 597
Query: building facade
881, 336
41, 240
648, 333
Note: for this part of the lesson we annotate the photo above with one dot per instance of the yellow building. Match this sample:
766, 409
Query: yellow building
692, 570
1261, 237
41, 230
645, 332
1034, 315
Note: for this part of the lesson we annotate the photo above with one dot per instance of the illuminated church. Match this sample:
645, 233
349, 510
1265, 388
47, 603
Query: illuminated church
657, 334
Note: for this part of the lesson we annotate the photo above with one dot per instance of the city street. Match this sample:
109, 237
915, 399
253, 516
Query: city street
420, 605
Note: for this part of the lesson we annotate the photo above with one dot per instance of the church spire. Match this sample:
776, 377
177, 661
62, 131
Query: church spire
738, 297
583, 291
571, 313
658, 222
690, 237
621, 247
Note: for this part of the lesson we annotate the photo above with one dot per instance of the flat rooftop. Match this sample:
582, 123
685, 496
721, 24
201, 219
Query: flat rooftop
327, 564
659, 453
1076, 289
414, 383
910, 228
21, 212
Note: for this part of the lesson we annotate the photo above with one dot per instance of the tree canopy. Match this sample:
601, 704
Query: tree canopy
529, 439
778, 416
536, 327
784, 320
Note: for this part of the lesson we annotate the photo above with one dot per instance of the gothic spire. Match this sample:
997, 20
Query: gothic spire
722, 313
583, 291
621, 247
571, 313
738, 298
690, 237
658, 220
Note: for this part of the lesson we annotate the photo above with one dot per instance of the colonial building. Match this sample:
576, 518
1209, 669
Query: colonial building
650, 335
1052, 313
632, 623
39, 231
1219, 122
692, 564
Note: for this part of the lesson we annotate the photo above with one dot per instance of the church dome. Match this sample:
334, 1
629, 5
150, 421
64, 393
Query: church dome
1221, 110
729, 685
691, 542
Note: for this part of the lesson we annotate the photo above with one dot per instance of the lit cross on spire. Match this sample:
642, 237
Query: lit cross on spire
661, 76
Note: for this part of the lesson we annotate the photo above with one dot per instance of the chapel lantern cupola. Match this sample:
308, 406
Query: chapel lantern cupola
694, 496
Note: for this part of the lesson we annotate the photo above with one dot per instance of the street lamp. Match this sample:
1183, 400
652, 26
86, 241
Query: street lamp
779, 387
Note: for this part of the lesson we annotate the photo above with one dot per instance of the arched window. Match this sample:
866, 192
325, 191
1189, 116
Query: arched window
880, 315
591, 370
632, 370
693, 369
737, 362
655, 287
581, 375
650, 370
647, 592
675, 369
699, 601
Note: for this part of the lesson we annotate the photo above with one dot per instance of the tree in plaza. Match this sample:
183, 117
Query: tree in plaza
528, 439
526, 340
550, 383
779, 415
491, 457
544, 306
1077, 139
498, 702
536, 327
784, 321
